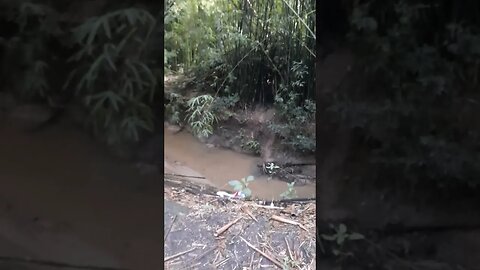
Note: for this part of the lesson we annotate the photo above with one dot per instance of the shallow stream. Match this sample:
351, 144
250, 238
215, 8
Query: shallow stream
186, 155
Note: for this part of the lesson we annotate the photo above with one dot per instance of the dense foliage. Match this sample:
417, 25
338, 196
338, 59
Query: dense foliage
415, 103
103, 61
246, 52
251, 48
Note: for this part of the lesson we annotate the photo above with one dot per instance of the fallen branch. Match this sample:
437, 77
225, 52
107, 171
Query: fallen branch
224, 228
288, 249
289, 221
55, 264
267, 206
179, 254
249, 213
273, 260
182, 175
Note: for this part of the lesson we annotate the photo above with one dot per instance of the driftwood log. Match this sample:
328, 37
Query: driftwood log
183, 182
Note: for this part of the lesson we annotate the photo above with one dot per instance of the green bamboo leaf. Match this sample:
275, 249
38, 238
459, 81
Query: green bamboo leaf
329, 237
108, 58
69, 79
148, 72
93, 70
80, 84
124, 40
98, 104
108, 119
135, 73
355, 236
340, 239
127, 89
120, 28
78, 55
93, 32
143, 124
130, 15
114, 99
106, 28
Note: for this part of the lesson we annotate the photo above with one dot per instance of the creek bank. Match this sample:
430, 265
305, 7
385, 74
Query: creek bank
242, 130
215, 166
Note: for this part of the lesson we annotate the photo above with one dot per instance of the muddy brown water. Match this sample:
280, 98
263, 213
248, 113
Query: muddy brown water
185, 154
62, 198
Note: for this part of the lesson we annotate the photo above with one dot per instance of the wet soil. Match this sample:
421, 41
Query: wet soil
63, 198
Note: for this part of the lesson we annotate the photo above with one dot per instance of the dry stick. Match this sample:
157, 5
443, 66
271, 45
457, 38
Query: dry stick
273, 260
224, 228
55, 264
222, 262
182, 175
178, 254
306, 208
289, 221
251, 260
249, 213
288, 248
267, 206
170, 228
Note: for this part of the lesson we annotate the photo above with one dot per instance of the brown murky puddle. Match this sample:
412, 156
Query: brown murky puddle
184, 154
62, 198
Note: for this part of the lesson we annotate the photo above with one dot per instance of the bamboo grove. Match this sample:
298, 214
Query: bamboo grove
256, 50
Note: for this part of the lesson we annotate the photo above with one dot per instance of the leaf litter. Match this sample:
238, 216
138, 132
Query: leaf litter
216, 233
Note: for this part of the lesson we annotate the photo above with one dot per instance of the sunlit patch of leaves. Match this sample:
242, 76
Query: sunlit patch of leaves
200, 115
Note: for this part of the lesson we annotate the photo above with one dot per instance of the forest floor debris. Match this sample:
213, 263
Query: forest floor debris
213, 233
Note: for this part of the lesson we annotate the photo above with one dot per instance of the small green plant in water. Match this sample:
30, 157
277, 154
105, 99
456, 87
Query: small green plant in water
242, 185
340, 237
200, 115
290, 193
